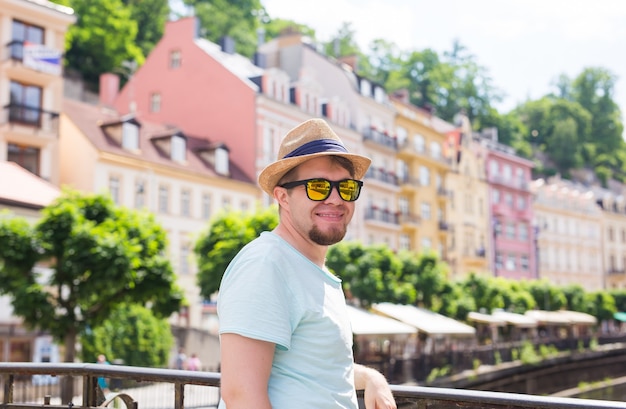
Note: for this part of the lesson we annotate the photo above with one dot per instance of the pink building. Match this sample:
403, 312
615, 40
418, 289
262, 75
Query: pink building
197, 85
513, 232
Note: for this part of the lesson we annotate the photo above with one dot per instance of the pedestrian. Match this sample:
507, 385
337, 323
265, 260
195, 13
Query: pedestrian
285, 334
181, 359
103, 382
194, 363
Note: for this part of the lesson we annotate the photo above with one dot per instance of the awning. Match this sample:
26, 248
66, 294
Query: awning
486, 319
366, 323
424, 320
620, 316
518, 320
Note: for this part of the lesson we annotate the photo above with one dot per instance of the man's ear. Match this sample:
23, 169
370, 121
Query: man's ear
281, 196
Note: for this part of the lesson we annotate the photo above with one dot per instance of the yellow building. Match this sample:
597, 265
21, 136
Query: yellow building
613, 237
568, 231
469, 242
422, 169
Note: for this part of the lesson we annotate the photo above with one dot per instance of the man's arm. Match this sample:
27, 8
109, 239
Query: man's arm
377, 392
245, 366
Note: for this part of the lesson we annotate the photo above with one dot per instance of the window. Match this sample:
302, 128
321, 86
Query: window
206, 206
508, 199
22, 32
244, 206
523, 232
510, 262
435, 150
179, 146
185, 253
130, 136
405, 242
403, 205
226, 203
402, 135
493, 168
114, 189
425, 211
510, 230
25, 104
521, 203
140, 194
155, 102
523, 262
221, 161
424, 175
185, 203
498, 261
495, 196
427, 243
25, 156
507, 172
175, 59
164, 199
418, 143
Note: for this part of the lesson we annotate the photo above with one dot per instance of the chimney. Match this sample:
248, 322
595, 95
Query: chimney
109, 88
228, 44
402, 95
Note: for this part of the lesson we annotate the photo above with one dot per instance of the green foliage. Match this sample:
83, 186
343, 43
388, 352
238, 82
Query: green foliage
133, 334
438, 373
528, 355
226, 235
238, 19
97, 255
103, 38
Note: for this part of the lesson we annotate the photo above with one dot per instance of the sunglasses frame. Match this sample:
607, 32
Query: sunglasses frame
305, 182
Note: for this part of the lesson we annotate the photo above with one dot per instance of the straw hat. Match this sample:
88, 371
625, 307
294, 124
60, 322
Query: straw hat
311, 139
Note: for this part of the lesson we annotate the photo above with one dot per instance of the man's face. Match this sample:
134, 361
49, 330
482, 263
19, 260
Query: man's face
324, 222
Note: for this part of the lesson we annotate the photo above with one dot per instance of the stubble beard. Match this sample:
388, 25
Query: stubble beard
334, 235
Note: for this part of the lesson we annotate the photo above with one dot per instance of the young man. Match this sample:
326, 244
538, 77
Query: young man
286, 340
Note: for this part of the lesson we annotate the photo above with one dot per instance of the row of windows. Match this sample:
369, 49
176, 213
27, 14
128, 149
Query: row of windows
512, 261
518, 202
164, 197
513, 230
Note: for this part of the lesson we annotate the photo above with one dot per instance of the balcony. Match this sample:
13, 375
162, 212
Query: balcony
37, 57
381, 215
26, 119
380, 138
409, 218
382, 175
170, 388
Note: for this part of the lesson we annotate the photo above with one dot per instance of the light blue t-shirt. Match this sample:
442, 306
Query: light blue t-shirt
271, 292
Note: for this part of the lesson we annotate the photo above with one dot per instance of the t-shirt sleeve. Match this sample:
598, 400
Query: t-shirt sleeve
254, 301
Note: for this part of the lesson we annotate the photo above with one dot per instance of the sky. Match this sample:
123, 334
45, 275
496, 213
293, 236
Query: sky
523, 44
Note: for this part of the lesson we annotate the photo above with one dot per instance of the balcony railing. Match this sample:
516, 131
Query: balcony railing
154, 388
33, 117
382, 175
380, 138
382, 215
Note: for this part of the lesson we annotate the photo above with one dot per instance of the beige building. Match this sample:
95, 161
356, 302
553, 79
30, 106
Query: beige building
613, 237
568, 234
422, 168
182, 179
469, 241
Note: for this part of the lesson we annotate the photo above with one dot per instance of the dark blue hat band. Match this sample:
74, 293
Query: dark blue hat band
317, 146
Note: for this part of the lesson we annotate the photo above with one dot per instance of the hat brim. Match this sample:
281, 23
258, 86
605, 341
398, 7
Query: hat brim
269, 177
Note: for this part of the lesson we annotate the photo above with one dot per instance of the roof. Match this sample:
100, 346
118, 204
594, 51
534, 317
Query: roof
366, 323
424, 320
518, 320
22, 188
89, 118
486, 319
562, 317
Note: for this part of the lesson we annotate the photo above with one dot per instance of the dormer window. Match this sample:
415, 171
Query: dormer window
179, 147
130, 136
366, 88
221, 160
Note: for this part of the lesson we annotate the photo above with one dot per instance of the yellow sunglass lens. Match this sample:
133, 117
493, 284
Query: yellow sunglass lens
318, 189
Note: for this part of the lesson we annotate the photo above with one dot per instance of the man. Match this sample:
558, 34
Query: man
285, 333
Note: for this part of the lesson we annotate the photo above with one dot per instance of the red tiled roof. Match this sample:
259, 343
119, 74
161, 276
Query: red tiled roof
22, 188
89, 118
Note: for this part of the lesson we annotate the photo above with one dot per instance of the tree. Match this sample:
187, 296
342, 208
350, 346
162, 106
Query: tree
238, 19
97, 255
132, 334
151, 16
102, 39
228, 233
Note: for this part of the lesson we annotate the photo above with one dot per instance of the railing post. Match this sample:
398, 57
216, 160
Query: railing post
8, 389
179, 395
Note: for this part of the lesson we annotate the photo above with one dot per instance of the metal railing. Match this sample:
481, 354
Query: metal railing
141, 387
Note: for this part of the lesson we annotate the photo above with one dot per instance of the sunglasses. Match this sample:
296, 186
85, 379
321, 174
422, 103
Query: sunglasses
319, 189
